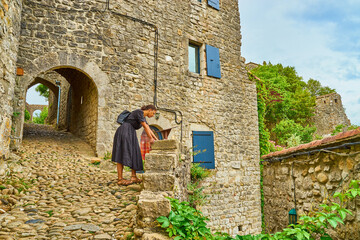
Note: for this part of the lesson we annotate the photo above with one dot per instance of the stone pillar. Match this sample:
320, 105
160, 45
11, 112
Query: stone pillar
161, 179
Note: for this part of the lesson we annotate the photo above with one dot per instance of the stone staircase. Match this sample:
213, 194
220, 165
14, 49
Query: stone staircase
166, 175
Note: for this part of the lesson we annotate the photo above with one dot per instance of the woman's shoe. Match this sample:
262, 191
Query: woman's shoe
124, 182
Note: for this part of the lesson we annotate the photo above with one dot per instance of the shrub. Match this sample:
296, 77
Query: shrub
40, 118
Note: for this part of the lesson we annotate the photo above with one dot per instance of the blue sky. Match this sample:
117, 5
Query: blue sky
321, 39
33, 97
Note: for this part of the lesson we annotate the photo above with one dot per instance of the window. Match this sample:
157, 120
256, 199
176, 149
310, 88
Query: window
213, 61
214, 3
203, 142
194, 58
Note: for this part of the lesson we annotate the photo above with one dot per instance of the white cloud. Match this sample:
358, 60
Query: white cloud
33, 97
308, 36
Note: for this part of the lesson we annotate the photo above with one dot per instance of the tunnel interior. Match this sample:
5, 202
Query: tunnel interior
77, 101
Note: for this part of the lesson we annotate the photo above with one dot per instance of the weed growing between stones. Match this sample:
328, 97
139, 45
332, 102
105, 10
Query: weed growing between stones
196, 195
185, 222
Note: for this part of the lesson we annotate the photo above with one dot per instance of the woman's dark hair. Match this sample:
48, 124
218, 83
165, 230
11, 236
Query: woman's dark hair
147, 107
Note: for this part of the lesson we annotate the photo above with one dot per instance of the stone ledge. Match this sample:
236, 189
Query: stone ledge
164, 145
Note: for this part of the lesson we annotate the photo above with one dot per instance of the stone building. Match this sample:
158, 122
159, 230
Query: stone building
329, 112
184, 56
305, 176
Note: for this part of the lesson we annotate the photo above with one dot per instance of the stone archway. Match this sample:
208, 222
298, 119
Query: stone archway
31, 108
81, 73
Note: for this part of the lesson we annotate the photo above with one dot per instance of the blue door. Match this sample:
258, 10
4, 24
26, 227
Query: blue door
203, 142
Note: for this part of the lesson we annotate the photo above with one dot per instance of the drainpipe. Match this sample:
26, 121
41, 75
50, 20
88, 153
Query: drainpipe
58, 107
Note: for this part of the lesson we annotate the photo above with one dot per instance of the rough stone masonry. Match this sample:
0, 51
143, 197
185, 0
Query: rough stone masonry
108, 53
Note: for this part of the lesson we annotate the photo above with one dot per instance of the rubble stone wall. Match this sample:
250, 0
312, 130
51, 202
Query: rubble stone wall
329, 112
316, 177
117, 53
10, 14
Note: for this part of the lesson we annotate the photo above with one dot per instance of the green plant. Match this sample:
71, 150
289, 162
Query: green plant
107, 156
352, 127
40, 118
293, 141
27, 115
198, 173
50, 212
16, 114
185, 222
2, 187
130, 236
338, 128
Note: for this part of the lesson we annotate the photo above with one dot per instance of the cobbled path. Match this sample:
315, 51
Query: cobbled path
53, 191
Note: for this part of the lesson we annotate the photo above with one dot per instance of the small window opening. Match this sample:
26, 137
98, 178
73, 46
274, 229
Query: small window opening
240, 228
194, 58
324, 101
335, 100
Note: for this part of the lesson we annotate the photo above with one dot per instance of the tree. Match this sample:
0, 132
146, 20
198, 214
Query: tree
27, 115
43, 90
40, 118
315, 88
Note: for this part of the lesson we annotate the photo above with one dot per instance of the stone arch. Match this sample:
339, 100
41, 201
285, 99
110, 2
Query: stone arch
58, 61
31, 108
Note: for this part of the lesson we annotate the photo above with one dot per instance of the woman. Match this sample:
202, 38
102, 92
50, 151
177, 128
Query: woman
126, 149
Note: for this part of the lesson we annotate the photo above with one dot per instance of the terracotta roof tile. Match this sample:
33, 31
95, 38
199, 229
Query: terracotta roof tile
313, 144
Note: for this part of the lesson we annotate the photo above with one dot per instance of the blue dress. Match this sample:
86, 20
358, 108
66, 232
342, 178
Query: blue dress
126, 149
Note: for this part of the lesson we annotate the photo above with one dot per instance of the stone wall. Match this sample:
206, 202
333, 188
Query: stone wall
10, 14
108, 59
316, 176
329, 112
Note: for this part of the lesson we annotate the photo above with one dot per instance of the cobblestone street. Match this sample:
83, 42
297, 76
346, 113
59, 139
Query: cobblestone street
54, 191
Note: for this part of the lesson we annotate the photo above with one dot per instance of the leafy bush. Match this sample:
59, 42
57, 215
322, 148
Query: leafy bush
286, 128
196, 195
198, 173
273, 147
293, 141
338, 129
185, 222
40, 118
27, 115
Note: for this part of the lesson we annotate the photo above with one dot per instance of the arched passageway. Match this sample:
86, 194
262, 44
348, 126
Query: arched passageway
74, 97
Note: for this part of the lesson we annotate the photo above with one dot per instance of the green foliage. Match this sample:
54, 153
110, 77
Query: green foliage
352, 127
27, 115
107, 156
185, 222
40, 118
196, 195
287, 128
293, 141
274, 147
198, 173
338, 128
50, 212
43, 91
316, 89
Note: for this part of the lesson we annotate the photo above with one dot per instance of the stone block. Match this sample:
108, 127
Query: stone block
168, 144
160, 162
322, 178
154, 236
150, 207
158, 182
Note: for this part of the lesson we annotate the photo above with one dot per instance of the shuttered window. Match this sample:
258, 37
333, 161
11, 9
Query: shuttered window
213, 61
214, 3
203, 142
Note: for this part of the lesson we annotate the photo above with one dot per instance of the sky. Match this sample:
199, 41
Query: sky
320, 38
33, 97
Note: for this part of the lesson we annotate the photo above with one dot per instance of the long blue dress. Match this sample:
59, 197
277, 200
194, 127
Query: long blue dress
126, 149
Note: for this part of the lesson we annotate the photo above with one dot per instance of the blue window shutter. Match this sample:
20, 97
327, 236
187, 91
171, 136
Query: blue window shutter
214, 3
213, 61
204, 140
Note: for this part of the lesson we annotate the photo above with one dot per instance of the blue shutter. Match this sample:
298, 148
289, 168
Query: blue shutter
214, 3
204, 140
213, 61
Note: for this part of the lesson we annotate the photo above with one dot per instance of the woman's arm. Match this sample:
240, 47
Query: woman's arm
148, 131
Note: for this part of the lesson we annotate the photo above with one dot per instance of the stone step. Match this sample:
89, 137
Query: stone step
158, 182
150, 207
164, 145
157, 162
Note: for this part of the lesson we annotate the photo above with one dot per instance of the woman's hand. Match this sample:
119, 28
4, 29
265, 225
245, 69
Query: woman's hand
152, 140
